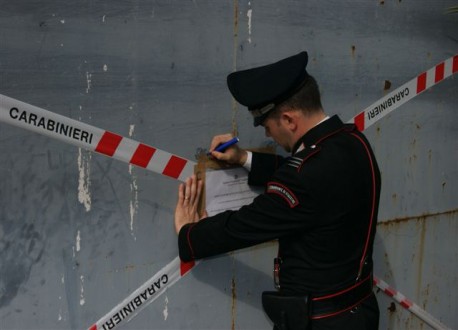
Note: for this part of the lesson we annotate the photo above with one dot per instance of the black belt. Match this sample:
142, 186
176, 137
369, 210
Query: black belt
291, 312
341, 301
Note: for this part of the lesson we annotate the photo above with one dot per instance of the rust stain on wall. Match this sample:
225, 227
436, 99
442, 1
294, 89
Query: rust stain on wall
421, 255
234, 301
416, 217
386, 85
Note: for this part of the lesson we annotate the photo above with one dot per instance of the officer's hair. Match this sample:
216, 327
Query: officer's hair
306, 99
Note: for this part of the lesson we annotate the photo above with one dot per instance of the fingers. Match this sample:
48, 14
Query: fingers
218, 139
180, 193
187, 191
200, 185
191, 190
186, 210
231, 155
220, 155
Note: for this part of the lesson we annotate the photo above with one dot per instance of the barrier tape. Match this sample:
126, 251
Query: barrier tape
419, 85
409, 305
86, 136
144, 295
405, 93
110, 144
82, 135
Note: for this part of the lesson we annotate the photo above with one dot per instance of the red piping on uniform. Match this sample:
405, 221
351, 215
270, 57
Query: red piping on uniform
341, 311
189, 240
365, 246
332, 133
361, 263
317, 149
343, 291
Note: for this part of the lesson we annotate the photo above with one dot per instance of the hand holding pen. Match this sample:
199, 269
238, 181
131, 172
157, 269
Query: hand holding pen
224, 147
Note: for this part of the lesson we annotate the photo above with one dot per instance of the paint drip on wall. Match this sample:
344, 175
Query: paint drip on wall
78, 241
249, 15
84, 181
82, 300
88, 82
133, 206
165, 312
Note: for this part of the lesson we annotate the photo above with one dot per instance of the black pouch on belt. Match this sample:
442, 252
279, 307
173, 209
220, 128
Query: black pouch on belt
286, 312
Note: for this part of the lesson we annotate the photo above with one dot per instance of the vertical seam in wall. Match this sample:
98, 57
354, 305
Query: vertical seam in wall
234, 296
421, 251
235, 133
234, 65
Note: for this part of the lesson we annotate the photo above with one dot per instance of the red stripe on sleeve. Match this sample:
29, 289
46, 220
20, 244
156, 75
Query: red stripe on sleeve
108, 143
142, 155
359, 121
94, 327
174, 167
455, 64
439, 72
421, 82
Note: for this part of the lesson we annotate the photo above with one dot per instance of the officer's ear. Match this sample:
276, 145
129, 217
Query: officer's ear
290, 119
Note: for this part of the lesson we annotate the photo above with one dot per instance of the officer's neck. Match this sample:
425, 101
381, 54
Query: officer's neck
306, 122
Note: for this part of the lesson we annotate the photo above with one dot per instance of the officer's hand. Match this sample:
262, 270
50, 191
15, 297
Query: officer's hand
232, 155
188, 199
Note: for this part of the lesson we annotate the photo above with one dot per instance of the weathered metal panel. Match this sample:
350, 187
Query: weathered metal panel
418, 256
79, 231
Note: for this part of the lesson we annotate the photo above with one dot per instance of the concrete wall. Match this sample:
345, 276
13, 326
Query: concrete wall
80, 231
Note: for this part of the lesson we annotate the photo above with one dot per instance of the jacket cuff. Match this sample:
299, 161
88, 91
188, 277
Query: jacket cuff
185, 250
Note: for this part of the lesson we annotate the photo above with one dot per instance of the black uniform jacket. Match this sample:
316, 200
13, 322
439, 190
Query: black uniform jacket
321, 204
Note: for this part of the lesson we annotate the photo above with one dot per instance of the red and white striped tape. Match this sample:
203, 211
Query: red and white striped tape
409, 305
405, 93
110, 144
86, 136
82, 135
441, 71
144, 295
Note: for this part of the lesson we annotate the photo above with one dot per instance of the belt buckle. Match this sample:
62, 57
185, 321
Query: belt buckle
276, 272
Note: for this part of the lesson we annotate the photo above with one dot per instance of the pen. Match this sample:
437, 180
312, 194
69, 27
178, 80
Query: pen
225, 145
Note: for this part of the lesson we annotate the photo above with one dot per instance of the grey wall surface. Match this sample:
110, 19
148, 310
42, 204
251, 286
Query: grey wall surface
80, 231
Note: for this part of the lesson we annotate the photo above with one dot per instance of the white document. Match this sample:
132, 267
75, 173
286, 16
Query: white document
228, 189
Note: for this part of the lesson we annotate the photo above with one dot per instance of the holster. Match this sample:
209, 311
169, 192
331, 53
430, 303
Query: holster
286, 312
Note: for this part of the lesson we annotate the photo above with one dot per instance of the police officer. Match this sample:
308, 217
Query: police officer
320, 204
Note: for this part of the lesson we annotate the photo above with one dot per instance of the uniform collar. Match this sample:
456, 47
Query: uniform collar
323, 128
